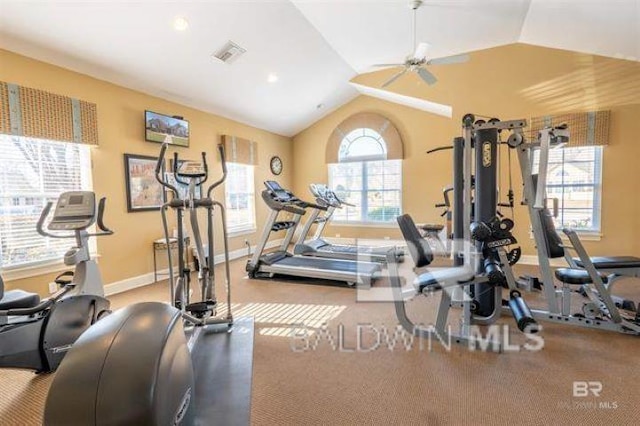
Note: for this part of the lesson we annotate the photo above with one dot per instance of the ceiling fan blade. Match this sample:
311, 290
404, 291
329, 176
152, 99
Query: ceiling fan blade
427, 76
455, 59
421, 51
394, 78
387, 65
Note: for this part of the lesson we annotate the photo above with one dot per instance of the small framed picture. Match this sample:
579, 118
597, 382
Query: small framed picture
144, 192
183, 190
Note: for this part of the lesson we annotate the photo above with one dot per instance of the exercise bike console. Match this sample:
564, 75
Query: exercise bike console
74, 210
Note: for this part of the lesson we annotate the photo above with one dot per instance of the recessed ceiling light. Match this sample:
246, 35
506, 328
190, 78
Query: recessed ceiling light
272, 78
180, 23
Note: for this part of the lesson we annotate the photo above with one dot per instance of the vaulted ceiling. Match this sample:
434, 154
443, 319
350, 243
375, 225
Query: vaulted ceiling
313, 46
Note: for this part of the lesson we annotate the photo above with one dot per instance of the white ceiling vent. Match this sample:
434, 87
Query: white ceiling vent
229, 52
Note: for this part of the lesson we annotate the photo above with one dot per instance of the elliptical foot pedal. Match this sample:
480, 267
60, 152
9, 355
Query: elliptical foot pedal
201, 309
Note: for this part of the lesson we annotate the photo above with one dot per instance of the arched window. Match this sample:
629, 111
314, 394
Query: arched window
362, 145
364, 175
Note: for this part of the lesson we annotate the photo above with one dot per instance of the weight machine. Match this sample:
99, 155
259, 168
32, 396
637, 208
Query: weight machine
482, 238
482, 253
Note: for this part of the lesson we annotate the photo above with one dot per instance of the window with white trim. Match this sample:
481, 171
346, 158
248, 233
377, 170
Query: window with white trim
240, 198
574, 177
364, 177
33, 172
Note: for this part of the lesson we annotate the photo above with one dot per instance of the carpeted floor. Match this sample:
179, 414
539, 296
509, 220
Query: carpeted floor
377, 385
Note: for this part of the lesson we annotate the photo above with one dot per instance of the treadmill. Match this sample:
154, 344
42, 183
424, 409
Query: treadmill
281, 262
317, 247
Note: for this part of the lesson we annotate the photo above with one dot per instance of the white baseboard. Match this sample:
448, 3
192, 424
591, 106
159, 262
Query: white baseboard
146, 279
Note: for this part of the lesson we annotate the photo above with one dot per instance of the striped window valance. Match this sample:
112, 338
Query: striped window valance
43, 115
366, 120
239, 150
585, 128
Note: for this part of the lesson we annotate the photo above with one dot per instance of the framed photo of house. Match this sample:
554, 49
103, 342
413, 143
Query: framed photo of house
144, 192
160, 127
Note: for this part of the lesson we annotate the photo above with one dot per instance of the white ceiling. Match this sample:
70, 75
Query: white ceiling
134, 44
314, 46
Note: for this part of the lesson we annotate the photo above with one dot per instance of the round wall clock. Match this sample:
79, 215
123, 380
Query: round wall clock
276, 165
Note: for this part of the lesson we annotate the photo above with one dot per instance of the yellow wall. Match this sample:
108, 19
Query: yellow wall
128, 252
509, 82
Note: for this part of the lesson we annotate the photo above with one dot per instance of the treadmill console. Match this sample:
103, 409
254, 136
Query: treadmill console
75, 210
278, 192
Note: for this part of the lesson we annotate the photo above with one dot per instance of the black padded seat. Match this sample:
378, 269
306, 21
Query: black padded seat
441, 278
612, 262
576, 276
18, 299
418, 247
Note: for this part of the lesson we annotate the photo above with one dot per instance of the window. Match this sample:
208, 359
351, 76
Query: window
364, 177
239, 192
574, 177
33, 172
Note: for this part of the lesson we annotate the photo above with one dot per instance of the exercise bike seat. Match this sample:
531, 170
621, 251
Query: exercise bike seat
18, 299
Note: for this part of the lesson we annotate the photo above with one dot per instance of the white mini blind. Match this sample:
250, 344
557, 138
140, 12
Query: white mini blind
32, 172
240, 198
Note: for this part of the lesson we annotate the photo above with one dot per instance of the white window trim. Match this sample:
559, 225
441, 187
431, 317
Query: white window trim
365, 223
247, 228
592, 234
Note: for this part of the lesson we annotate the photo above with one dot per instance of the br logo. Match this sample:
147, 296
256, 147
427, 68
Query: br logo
583, 389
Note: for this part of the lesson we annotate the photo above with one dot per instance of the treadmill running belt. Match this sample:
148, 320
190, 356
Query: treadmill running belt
330, 264
355, 249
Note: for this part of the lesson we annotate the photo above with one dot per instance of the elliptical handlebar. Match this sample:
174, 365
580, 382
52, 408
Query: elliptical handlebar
159, 164
175, 170
224, 171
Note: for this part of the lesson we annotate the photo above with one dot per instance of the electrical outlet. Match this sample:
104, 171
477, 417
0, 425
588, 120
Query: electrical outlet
387, 238
53, 287
337, 235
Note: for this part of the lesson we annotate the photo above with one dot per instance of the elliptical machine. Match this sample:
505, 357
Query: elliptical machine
193, 175
36, 334
152, 343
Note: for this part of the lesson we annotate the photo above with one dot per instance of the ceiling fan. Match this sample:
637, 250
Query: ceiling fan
418, 61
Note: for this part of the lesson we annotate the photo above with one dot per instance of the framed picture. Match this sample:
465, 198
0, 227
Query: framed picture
144, 192
183, 190
160, 127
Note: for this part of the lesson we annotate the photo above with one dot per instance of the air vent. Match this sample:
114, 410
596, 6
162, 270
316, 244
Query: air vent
229, 52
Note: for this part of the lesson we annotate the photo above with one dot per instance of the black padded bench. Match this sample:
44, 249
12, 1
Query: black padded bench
576, 276
612, 262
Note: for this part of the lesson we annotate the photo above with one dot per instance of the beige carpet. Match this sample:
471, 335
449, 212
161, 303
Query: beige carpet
327, 386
